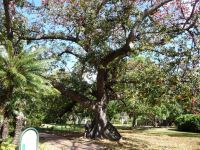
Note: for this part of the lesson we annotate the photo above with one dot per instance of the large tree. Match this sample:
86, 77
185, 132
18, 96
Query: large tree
101, 34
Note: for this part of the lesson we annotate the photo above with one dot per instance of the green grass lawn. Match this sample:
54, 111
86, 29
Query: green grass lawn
156, 139
61, 127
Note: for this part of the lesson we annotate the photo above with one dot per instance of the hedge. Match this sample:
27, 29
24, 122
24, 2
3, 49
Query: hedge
188, 122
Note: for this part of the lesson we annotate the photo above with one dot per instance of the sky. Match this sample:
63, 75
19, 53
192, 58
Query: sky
70, 60
36, 2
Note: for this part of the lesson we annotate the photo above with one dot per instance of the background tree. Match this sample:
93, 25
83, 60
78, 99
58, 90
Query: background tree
152, 93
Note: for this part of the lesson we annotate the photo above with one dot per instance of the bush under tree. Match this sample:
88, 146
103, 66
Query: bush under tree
188, 122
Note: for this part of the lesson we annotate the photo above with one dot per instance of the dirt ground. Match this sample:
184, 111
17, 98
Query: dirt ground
158, 139
68, 141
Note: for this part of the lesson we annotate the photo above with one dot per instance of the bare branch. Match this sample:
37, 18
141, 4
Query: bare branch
51, 37
192, 24
154, 8
69, 51
114, 54
192, 13
146, 13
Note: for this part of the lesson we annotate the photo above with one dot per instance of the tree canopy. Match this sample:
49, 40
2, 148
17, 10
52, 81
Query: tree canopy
101, 35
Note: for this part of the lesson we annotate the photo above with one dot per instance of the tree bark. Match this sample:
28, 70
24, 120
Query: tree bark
99, 122
100, 127
5, 126
18, 128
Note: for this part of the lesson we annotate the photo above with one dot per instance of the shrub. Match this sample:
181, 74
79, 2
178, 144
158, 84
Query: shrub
7, 145
188, 122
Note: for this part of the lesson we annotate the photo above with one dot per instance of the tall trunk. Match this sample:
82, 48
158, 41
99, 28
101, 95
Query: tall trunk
18, 128
5, 126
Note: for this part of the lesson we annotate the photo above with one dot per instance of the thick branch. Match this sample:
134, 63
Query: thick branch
146, 13
100, 83
73, 95
126, 48
154, 8
192, 13
114, 54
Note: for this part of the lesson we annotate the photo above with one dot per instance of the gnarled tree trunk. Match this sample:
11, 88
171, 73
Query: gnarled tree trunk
100, 127
99, 122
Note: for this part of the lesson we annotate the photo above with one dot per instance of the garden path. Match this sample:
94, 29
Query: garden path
67, 141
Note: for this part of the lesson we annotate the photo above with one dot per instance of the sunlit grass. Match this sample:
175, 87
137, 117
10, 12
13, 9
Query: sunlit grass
155, 139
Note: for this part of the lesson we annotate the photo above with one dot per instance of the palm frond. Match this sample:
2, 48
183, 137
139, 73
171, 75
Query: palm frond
25, 72
3, 57
2, 74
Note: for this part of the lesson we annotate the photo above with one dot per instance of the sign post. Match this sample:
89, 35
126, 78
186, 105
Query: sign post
29, 139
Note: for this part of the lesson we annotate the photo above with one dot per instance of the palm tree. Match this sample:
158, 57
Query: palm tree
20, 75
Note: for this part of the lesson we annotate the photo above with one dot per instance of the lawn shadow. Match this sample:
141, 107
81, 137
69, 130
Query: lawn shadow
75, 140
123, 127
68, 140
125, 144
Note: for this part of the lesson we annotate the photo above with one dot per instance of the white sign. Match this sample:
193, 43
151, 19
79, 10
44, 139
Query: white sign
29, 139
